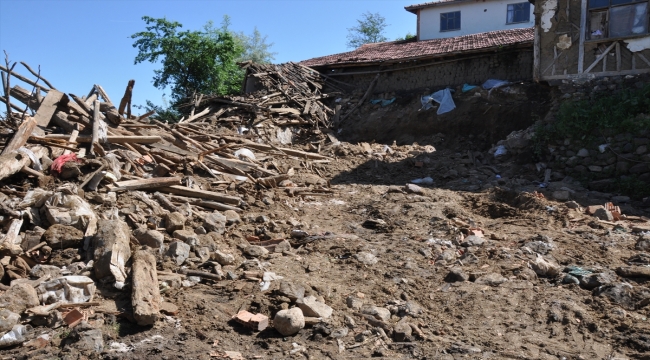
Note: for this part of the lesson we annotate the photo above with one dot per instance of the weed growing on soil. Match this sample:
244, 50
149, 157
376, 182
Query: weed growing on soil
624, 111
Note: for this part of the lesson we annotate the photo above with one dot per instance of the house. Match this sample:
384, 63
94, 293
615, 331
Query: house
583, 39
451, 18
410, 64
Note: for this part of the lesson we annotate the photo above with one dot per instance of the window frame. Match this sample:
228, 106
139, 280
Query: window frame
606, 9
447, 21
513, 16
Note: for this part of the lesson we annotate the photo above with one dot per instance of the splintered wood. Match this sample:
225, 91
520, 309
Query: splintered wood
198, 164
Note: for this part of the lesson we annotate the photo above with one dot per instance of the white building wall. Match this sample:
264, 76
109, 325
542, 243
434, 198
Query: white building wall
475, 17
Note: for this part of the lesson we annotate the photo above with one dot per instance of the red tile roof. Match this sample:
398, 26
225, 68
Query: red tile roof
410, 50
413, 8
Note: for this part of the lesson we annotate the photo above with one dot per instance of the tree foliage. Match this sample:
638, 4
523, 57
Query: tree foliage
192, 61
255, 45
370, 29
408, 36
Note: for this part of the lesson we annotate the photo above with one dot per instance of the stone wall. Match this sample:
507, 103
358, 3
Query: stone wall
609, 156
514, 65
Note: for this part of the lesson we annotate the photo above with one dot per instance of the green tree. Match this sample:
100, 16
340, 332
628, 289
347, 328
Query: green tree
370, 29
255, 46
192, 61
408, 36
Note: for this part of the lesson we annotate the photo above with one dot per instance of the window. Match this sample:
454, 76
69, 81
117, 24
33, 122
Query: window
450, 21
617, 18
518, 13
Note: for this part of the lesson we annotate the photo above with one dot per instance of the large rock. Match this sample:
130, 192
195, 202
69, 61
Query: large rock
19, 297
604, 214
592, 281
456, 275
187, 236
148, 237
222, 258
111, 249
8, 319
216, 222
311, 307
473, 240
643, 243
60, 236
179, 251
492, 279
255, 251
379, 313
366, 258
174, 221
291, 290
145, 296
232, 217
289, 322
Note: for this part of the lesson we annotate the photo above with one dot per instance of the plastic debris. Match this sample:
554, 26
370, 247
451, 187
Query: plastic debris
67, 289
501, 150
467, 87
426, 181
58, 163
493, 83
244, 153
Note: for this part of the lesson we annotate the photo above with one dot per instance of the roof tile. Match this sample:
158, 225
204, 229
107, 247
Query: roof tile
408, 49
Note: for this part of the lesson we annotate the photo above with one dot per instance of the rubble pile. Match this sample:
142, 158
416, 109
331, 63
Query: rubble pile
94, 197
247, 232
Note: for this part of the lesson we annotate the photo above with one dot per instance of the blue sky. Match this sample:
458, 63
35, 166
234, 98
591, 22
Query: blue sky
78, 43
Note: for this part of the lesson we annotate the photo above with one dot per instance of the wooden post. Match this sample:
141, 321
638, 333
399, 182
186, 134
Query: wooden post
20, 137
536, 50
618, 56
48, 108
95, 138
583, 29
126, 99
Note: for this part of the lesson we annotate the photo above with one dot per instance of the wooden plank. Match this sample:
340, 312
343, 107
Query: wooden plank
126, 99
200, 194
12, 240
95, 137
607, 73
20, 137
618, 56
102, 93
536, 59
601, 56
48, 108
129, 185
112, 139
14, 161
73, 139
38, 75
175, 149
583, 29
643, 58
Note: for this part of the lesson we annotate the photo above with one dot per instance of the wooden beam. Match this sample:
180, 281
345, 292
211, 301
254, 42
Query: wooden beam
14, 161
601, 56
583, 29
536, 58
591, 75
126, 99
102, 93
48, 108
618, 56
130, 185
94, 141
20, 137
38, 75
643, 58
200, 194
112, 139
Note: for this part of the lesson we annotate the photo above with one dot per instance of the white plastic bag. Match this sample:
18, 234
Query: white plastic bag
244, 153
67, 289
15, 336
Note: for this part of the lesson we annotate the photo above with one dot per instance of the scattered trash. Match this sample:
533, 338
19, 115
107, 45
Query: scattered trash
442, 97
467, 87
492, 83
425, 181
500, 151
383, 102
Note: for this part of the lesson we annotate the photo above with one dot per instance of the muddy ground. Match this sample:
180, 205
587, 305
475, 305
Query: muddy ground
470, 300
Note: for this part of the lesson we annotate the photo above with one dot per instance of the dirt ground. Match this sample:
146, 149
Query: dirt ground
374, 242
